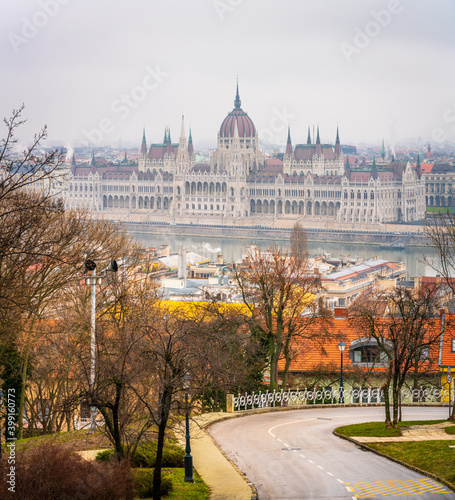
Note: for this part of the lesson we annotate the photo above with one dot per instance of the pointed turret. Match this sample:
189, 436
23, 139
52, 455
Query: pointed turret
383, 151
337, 144
93, 164
182, 140
125, 159
428, 154
73, 161
289, 143
418, 167
374, 169
308, 141
165, 136
318, 144
190, 144
347, 168
169, 142
237, 102
144, 144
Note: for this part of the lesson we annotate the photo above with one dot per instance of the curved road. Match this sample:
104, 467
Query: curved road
294, 455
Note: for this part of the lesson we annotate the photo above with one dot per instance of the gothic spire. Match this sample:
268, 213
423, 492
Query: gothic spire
318, 144
308, 141
337, 144
190, 144
144, 143
289, 143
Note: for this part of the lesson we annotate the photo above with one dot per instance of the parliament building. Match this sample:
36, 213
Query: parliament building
240, 184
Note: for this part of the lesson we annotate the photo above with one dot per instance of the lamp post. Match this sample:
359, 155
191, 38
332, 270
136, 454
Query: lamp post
92, 281
188, 458
341, 347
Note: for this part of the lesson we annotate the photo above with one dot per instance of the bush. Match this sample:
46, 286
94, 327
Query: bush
145, 456
105, 456
53, 472
143, 484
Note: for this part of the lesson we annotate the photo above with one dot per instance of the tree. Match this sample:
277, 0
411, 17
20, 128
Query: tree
402, 322
441, 231
281, 291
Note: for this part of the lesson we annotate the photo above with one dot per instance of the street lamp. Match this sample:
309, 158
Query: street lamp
188, 458
341, 347
94, 280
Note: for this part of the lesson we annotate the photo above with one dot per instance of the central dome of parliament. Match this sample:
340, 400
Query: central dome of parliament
245, 124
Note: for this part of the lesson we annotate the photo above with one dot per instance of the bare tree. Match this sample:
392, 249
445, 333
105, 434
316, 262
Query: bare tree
281, 292
403, 325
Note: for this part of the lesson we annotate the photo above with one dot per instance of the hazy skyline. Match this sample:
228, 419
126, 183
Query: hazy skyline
104, 70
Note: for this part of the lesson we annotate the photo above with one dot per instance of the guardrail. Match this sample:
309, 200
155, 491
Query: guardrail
300, 397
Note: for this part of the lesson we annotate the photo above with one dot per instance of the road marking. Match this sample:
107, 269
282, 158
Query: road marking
288, 423
398, 488
311, 461
303, 456
319, 467
330, 474
280, 440
349, 489
340, 481
295, 451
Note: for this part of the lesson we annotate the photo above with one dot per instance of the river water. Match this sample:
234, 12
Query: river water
231, 248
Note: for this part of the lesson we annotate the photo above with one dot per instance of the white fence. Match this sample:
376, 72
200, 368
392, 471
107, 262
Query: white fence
359, 396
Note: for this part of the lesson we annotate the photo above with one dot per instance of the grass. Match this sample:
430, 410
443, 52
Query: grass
378, 429
442, 210
431, 456
434, 457
180, 489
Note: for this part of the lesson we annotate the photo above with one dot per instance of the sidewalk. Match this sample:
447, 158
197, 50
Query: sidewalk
414, 433
225, 481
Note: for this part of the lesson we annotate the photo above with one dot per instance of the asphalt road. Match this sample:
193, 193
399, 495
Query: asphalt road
294, 455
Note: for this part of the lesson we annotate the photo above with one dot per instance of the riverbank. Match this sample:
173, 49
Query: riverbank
314, 234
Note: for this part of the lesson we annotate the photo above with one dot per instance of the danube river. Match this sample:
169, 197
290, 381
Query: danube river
231, 249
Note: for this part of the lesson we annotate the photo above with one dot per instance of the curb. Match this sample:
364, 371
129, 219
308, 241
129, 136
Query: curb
400, 462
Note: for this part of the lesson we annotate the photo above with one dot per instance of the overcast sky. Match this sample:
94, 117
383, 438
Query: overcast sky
104, 69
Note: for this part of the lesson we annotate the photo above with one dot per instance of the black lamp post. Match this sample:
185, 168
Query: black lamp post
341, 347
188, 458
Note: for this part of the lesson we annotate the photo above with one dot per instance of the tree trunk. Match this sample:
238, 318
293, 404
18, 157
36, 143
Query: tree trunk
164, 415
386, 389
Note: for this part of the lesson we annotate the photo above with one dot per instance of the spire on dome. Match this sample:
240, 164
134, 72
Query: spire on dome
337, 144
308, 141
190, 144
289, 143
237, 102
144, 143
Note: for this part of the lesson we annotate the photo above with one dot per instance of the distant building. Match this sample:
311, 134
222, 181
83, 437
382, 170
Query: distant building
312, 180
